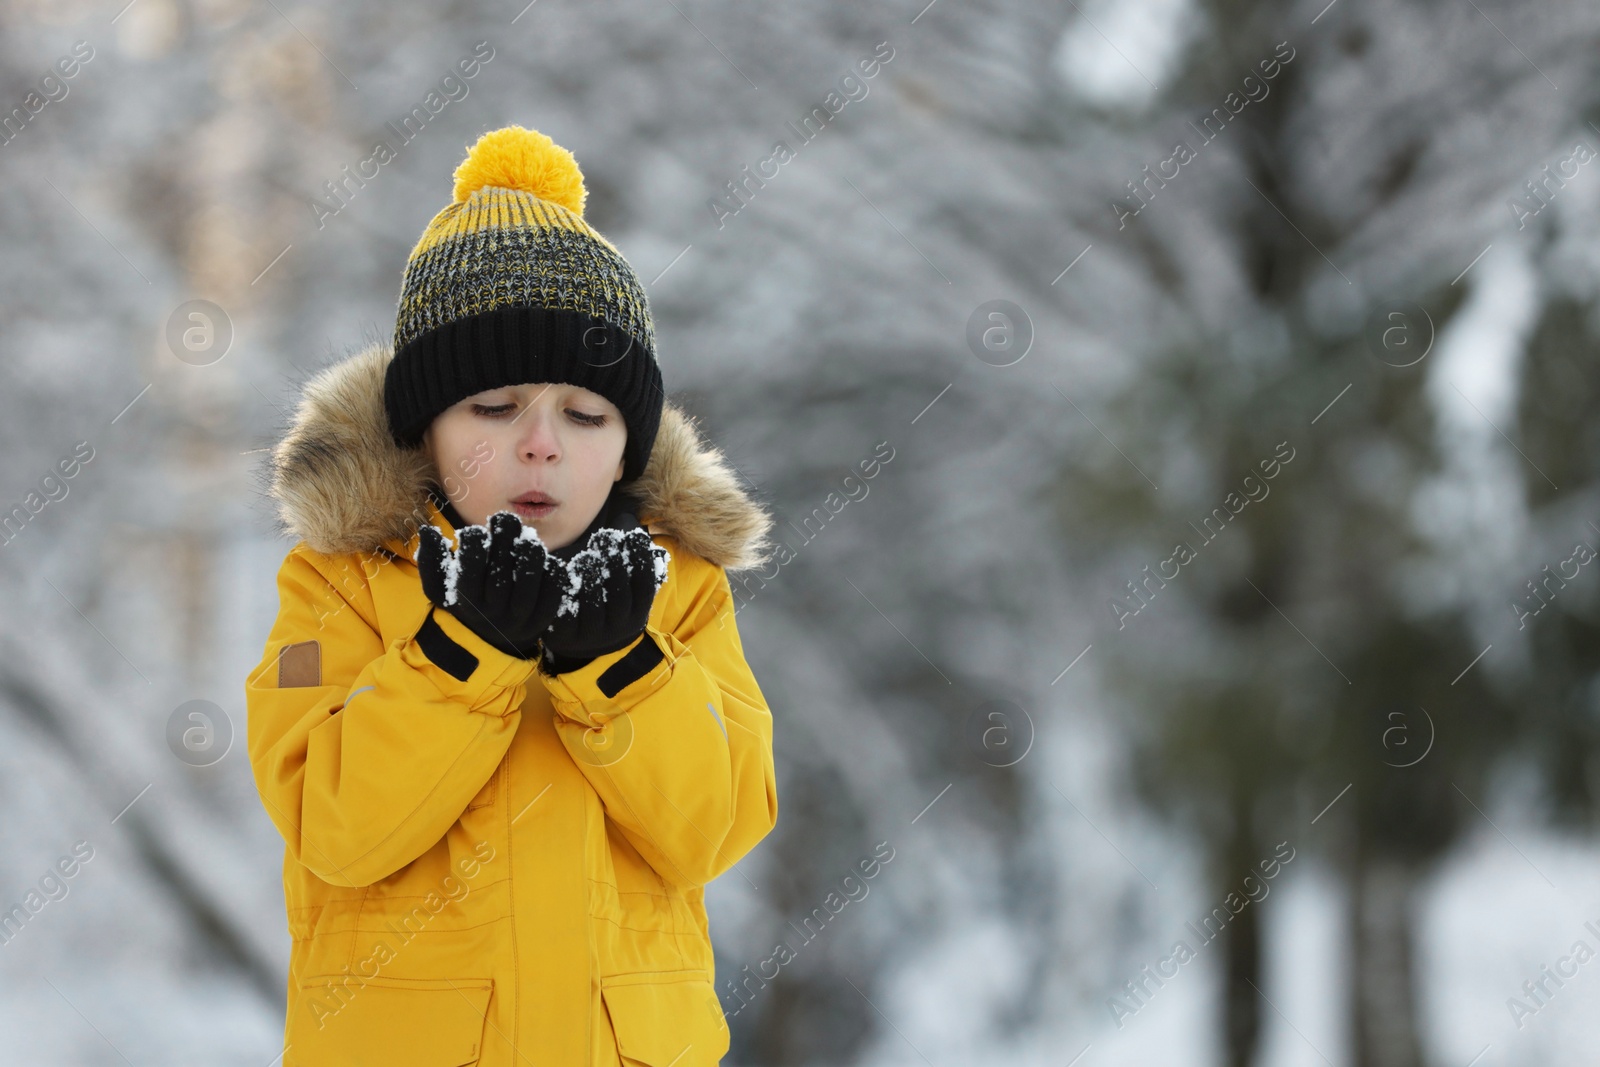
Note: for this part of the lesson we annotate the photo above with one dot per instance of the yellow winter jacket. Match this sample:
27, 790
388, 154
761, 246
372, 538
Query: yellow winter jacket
485, 865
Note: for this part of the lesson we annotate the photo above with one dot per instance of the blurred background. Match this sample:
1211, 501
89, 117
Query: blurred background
1214, 650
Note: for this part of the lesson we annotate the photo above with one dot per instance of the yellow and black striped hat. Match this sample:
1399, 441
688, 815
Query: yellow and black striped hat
509, 284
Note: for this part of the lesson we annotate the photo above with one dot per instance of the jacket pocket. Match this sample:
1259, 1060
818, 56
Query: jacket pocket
350, 1021
666, 1018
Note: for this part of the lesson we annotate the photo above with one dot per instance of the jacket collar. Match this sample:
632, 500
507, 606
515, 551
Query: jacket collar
341, 484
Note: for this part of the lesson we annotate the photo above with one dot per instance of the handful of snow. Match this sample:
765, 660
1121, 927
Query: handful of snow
588, 569
631, 550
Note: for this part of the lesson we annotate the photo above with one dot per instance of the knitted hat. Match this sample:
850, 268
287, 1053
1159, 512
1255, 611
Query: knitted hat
509, 285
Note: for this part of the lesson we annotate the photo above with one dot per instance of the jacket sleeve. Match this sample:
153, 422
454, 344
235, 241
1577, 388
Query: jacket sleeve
365, 755
673, 732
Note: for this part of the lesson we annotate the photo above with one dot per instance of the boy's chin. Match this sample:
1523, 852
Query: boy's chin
555, 545
550, 539
553, 540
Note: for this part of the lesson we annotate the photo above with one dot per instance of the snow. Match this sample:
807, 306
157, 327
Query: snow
588, 567
607, 546
824, 318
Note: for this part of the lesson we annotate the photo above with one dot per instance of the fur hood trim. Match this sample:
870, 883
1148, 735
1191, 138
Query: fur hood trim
342, 485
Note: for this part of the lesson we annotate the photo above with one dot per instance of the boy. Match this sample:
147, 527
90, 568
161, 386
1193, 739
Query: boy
503, 720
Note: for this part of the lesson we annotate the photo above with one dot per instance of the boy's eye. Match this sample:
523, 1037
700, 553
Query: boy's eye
497, 410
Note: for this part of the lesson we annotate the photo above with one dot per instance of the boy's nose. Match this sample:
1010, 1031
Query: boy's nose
538, 439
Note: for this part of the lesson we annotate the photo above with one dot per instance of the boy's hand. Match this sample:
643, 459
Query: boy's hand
494, 582
611, 586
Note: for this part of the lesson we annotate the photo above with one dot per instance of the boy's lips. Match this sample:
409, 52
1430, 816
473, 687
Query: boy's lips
535, 505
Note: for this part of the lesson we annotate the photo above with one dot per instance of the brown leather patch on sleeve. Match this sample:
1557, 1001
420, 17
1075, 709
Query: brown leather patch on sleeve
300, 665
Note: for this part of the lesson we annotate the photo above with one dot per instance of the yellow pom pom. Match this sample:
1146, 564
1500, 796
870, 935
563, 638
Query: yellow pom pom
518, 158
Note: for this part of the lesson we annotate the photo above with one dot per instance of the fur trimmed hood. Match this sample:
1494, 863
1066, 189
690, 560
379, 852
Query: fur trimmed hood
342, 485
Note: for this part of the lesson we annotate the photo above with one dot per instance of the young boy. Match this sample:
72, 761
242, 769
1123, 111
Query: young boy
507, 732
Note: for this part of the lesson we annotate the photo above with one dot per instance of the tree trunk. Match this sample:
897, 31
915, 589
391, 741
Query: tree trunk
1241, 1002
1383, 1002
1241, 947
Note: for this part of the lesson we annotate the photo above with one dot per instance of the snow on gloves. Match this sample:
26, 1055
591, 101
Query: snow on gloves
503, 585
496, 581
611, 585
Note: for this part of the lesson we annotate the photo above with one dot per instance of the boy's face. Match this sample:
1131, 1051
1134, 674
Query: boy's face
497, 446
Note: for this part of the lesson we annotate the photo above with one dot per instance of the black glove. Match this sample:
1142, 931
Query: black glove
495, 582
611, 585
